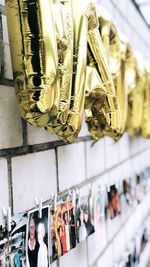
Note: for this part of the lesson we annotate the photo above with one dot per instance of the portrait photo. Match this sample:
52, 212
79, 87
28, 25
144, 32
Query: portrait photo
4, 244
17, 241
65, 227
127, 191
114, 206
53, 235
99, 217
37, 239
84, 221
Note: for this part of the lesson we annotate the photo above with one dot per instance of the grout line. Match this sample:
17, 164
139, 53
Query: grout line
24, 132
57, 170
10, 183
23, 150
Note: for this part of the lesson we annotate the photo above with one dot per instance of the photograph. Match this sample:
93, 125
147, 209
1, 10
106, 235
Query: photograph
37, 238
114, 206
53, 240
139, 189
17, 241
65, 226
4, 244
99, 217
84, 222
127, 191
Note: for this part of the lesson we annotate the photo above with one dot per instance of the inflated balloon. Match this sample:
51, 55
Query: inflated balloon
67, 56
49, 62
101, 107
145, 129
136, 98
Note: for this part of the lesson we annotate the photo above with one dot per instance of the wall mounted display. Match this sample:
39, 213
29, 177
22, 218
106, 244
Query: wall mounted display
79, 62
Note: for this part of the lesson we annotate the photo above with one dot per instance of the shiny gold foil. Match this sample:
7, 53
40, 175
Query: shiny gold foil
101, 106
49, 47
67, 55
145, 128
136, 98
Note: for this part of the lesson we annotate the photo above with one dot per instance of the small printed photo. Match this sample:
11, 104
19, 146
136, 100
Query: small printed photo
65, 227
37, 239
144, 240
53, 236
84, 222
4, 244
139, 189
127, 190
114, 206
99, 217
16, 255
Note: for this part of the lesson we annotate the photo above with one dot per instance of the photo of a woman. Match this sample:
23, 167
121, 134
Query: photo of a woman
37, 239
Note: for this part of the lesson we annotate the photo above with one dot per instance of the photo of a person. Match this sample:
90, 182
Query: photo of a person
128, 192
42, 252
33, 245
84, 221
53, 239
63, 235
99, 218
37, 239
113, 202
16, 255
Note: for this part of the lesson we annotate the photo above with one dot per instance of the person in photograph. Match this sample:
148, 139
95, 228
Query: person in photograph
127, 192
67, 230
33, 245
89, 226
17, 259
62, 241
53, 243
98, 216
81, 229
114, 202
72, 228
42, 253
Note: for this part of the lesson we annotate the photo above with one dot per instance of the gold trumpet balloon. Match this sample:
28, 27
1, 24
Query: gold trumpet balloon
67, 56
101, 106
145, 128
136, 98
48, 42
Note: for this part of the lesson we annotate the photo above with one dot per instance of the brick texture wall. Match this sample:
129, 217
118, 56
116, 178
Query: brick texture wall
34, 162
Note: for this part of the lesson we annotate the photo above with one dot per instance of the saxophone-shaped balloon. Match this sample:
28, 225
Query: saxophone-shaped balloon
136, 98
145, 129
49, 49
115, 49
34, 58
101, 106
75, 99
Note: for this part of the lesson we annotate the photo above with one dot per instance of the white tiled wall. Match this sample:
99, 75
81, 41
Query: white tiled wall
37, 174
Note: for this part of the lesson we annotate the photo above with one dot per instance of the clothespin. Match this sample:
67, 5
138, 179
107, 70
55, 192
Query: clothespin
39, 206
4, 212
55, 201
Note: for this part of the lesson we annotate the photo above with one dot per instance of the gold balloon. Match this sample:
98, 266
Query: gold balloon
67, 56
136, 98
48, 42
145, 129
101, 106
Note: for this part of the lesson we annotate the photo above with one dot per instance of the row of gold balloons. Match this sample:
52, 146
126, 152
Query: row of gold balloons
68, 58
